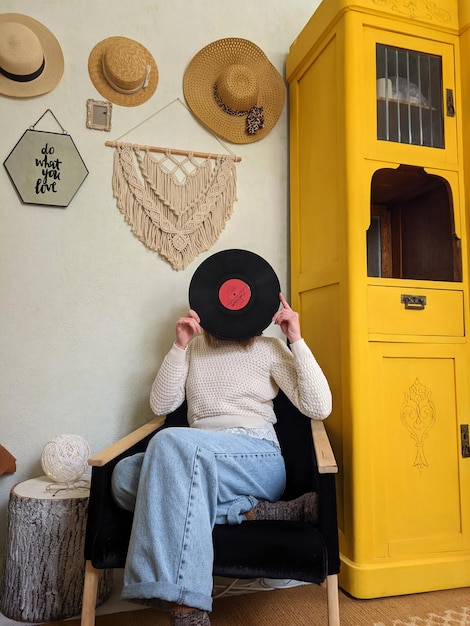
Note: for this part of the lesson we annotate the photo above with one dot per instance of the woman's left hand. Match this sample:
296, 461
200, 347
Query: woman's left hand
288, 321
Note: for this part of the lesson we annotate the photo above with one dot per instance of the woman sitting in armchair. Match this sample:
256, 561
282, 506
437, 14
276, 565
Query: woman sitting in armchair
226, 468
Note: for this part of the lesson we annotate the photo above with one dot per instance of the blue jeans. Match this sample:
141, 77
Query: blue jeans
187, 481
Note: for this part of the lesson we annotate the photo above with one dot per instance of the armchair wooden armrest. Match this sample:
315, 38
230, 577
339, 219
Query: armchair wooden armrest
115, 449
323, 450
325, 457
327, 467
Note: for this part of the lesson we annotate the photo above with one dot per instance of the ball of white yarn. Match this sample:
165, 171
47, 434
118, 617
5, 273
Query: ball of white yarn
64, 458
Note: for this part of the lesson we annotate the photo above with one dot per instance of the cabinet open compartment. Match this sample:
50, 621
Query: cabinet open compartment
412, 233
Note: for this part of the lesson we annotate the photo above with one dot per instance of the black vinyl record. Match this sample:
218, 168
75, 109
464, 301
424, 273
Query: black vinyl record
235, 293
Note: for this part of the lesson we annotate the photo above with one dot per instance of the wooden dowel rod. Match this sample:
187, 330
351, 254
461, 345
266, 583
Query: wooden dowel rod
202, 155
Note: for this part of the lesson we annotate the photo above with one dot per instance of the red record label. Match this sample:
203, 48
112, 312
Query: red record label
234, 294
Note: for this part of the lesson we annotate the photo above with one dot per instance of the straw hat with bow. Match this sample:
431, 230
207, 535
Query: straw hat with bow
233, 88
31, 59
123, 71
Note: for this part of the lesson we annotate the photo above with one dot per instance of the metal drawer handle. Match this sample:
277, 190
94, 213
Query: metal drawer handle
413, 302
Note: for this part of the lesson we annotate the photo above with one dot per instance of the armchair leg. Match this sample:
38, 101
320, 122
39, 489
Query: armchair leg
90, 591
333, 599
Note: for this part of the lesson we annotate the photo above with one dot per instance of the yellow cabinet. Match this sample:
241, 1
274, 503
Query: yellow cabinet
380, 164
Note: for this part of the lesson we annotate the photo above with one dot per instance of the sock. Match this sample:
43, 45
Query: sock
302, 509
187, 616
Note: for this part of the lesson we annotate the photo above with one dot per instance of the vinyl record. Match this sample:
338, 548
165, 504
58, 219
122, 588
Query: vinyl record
235, 293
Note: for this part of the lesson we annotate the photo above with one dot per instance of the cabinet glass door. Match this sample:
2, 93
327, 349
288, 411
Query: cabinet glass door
409, 97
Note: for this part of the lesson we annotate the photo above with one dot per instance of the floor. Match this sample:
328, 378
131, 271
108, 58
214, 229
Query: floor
114, 604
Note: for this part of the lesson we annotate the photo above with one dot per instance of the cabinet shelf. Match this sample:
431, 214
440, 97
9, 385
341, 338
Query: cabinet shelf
406, 103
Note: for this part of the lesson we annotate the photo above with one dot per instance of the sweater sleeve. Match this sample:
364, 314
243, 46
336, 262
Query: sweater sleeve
303, 381
168, 389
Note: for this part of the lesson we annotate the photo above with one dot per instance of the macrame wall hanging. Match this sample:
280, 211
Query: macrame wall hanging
177, 203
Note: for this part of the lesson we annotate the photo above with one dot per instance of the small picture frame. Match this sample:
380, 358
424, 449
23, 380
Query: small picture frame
99, 114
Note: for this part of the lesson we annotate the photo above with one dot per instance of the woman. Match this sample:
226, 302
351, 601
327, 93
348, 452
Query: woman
226, 468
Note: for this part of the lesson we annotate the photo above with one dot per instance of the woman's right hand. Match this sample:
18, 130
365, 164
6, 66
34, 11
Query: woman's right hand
187, 327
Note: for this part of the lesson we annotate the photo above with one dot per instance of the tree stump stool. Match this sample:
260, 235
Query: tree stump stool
45, 562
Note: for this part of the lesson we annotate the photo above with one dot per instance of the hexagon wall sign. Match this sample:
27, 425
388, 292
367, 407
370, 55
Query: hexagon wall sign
46, 168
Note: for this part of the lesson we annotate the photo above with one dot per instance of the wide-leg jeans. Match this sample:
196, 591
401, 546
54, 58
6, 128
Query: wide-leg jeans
188, 480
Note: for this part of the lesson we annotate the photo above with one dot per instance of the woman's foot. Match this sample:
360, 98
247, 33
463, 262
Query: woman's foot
186, 616
302, 509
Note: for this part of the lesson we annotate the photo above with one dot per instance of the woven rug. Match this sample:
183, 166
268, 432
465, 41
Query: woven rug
306, 606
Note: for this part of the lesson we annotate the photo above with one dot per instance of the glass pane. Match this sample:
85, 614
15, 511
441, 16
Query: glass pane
374, 247
409, 97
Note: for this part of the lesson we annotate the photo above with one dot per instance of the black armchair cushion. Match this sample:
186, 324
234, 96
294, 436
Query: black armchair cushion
271, 549
258, 548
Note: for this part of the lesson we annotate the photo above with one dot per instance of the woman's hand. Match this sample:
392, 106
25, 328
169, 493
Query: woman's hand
288, 321
187, 327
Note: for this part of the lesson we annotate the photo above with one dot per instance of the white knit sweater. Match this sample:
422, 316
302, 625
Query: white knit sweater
230, 385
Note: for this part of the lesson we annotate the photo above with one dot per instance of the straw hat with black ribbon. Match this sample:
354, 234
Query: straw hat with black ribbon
123, 71
232, 87
31, 59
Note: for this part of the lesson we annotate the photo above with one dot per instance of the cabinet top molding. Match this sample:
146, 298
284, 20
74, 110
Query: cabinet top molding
451, 17
423, 10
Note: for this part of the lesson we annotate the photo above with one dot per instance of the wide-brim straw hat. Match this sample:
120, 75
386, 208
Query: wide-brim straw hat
123, 71
232, 87
31, 59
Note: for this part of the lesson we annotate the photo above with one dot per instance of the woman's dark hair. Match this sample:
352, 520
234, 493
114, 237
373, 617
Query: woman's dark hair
214, 342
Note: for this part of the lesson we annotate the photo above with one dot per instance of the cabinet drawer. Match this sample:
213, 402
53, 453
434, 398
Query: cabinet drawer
403, 311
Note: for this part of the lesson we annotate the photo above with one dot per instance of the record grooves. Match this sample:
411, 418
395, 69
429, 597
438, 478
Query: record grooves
235, 293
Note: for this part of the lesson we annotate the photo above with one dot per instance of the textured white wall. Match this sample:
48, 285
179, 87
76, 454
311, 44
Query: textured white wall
87, 311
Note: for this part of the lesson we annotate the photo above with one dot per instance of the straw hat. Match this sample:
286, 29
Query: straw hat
232, 87
31, 59
123, 71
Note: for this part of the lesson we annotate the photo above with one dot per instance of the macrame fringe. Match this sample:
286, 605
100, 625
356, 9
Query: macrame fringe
179, 219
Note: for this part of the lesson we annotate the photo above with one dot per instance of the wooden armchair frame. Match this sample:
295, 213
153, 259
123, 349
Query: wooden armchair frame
325, 467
